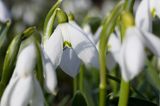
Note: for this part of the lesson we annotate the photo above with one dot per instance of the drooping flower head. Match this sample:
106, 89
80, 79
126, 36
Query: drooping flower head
69, 43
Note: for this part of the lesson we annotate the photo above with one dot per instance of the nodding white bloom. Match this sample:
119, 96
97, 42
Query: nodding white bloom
24, 79
143, 16
144, 13
4, 13
68, 46
23, 86
131, 54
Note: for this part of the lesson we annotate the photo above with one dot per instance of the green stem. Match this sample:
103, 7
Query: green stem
108, 28
81, 78
103, 84
124, 93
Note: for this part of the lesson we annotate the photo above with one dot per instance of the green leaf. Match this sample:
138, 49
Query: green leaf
79, 99
3, 34
152, 76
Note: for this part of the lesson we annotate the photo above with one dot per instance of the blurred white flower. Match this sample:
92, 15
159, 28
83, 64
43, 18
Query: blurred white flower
68, 46
4, 13
23, 86
143, 18
75, 6
144, 13
131, 53
24, 79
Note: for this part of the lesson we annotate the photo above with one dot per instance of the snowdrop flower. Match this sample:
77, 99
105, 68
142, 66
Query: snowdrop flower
145, 11
68, 46
4, 14
143, 18
23, 79
132, 53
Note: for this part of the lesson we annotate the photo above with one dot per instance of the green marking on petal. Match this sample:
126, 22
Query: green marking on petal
67, 44
153, 12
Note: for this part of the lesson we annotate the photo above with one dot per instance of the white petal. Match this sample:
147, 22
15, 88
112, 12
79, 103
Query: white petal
82, 46
26, 61
8, 91
88, 32
23, 91
54, 47
143, 17
152, 42
97, 34
110, 61
70, 63
50, 75
37, 98
114, 43
4, 14
132, 55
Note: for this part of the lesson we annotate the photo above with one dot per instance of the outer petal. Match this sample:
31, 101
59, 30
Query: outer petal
143, 17
86, 30
26, 61
152, 42
82, 46
110, 61
8, 91
114, 44
54, 47
132, 55
50, 75
37, 98
23, 91
70, 62
97, 34
4, 14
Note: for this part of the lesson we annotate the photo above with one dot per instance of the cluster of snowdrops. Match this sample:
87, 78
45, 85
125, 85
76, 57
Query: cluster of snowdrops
31, 59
